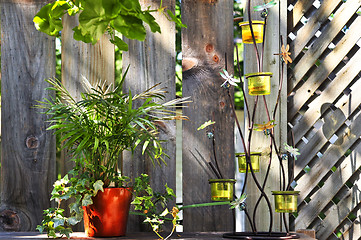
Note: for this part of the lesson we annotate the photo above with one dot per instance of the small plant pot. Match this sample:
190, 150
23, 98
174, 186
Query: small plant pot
285, 201
108, 215
222, 189
259, 83
242, 164
257, 31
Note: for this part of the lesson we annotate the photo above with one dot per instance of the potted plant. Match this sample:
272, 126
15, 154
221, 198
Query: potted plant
95, 131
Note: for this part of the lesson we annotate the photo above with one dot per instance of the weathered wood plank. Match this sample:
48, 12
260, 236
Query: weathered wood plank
259, 142
28, 149
333, 90
94, 62
354, 231
328, 160
326, 193
339, 212
152, 62
205, 42
342, 16
318, 140
313, 25
299, 10
326, 67
80, 60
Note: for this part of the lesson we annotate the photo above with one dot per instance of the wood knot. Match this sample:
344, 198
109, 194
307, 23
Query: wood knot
9, 220
209, 48
32, 142
215, 58
222, 104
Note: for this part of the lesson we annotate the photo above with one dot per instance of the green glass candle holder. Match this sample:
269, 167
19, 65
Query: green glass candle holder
242, 164
285, 201
222, 189
257, 27
259, 83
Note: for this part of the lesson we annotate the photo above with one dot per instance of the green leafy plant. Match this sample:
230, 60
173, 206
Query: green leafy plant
97, 17
95, 131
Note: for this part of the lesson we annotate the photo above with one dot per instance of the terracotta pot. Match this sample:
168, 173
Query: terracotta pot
108, 215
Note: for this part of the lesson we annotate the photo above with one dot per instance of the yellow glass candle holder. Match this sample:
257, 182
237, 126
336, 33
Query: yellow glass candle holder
242, 164
222, 189
257, 27
259, 83
285, 201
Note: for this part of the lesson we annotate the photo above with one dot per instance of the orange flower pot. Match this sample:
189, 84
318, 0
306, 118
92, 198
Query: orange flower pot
257, 27
259, 83
108, 215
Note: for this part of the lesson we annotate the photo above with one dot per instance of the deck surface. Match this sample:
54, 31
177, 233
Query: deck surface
130, 236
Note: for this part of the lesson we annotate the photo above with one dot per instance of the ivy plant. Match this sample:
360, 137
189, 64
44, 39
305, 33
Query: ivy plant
97, 17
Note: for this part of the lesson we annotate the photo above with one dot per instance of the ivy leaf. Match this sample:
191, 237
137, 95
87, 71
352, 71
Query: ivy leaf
75, 207
87, 200
170, 191
73, 221
40, 228
66, 232
58, 221
98, 185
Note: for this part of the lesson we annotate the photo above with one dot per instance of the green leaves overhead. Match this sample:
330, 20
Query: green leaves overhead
97, 17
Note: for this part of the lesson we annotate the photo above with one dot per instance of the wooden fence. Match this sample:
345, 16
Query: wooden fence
323, 109
324, 115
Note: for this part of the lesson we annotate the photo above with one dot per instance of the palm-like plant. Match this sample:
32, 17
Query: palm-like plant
104, 123
95, 131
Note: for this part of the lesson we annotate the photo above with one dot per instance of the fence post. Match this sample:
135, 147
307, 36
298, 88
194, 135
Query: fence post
276, 26
94, 62
207, 46
151, 62
28, 149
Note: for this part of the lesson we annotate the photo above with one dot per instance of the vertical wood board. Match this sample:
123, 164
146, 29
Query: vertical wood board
152, 62
205, 43
28, 149
260, 142
83, 60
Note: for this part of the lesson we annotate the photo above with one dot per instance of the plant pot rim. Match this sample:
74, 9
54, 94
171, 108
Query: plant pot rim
252, 154
256, 74
285, 192
253, 22
222, 180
